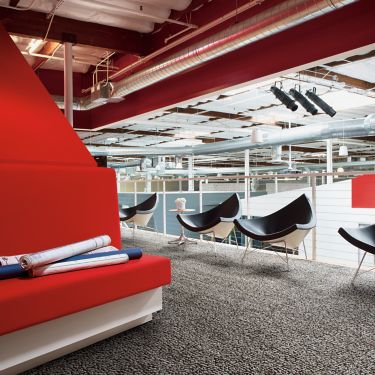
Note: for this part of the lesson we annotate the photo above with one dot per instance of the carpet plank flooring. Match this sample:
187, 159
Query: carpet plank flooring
224, 317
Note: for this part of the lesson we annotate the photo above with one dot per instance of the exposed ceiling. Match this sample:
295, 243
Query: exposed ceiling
106, 30
233, 114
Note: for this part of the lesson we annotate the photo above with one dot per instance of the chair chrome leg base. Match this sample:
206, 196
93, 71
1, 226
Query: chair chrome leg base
359, 267
182, 240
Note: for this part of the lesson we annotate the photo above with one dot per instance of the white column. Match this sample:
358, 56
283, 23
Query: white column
329, 161
68, 82
191, 172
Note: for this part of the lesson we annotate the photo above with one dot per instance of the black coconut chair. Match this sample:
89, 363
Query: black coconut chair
287, 226
140, 214
219, 221
362, 238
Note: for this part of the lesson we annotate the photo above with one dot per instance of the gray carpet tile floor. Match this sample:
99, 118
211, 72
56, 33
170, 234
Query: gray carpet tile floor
224, 317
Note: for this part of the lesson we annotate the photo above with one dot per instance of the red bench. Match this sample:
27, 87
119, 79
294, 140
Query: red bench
52, 194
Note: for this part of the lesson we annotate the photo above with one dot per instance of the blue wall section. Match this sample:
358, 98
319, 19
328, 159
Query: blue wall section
209, 200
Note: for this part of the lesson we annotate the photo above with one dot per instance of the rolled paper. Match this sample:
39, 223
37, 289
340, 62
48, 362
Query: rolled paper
52, 255
133, 253
80, 264
104, 249
92, 256
12, 270
6, 260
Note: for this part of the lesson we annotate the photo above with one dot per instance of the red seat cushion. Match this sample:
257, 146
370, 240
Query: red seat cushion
25, 302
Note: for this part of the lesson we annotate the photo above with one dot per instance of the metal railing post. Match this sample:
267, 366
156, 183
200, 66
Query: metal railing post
135, 193
313, 235
200, 203
164, 210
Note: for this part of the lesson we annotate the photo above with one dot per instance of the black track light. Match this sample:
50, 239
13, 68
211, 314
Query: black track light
284, 98
303, 101
320, 103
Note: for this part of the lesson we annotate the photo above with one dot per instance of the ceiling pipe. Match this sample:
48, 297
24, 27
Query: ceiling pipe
278, 18
241, 170
269, 22
314, 132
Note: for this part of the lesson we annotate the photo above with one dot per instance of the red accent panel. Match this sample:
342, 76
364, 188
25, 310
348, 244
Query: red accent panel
47, 206
363, 191
53, 80
326, 36
32, 127
25, 302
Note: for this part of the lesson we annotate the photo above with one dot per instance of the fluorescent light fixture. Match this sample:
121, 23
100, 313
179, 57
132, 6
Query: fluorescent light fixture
34, 45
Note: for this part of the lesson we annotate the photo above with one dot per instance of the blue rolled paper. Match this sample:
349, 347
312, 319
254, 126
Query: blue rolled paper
11, 270
133, 253
15, 270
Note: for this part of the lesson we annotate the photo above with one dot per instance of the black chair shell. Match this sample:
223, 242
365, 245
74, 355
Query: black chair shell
227, 211
298, 214
363, 237
146, 207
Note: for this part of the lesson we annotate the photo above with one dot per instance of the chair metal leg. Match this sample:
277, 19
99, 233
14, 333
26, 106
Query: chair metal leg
244, 253
360, 264
304, 249
286, 255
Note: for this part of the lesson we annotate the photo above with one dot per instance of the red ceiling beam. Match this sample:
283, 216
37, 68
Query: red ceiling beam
35, 24
326, 36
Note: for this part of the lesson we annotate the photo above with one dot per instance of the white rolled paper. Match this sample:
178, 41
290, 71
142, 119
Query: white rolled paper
53, 255
7, 260
105, 249
76, 265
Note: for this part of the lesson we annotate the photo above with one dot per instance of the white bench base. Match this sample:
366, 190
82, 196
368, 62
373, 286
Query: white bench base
29, 347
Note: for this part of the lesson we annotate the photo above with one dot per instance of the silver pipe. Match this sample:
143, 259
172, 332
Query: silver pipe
314, 132
278, 18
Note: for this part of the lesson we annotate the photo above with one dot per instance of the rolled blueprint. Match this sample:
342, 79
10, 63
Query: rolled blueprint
52, 255
6, 260
104, 249
11, 270
89, 261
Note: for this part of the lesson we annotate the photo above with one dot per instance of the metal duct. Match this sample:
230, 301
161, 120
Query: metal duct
314, 132
278, 18
276, 154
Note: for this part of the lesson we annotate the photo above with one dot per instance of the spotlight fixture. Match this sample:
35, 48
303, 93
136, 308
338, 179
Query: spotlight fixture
303, 101
284, 98
311, 94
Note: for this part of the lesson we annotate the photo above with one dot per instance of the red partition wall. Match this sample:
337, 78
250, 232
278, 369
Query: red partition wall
363, 191
51, 192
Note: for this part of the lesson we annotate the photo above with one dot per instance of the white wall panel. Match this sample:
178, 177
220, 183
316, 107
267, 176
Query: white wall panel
333, 210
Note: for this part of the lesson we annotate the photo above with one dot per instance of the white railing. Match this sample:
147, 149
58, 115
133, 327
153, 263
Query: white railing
263, 194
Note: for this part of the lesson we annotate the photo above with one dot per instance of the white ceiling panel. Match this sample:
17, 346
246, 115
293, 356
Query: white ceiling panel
362, 69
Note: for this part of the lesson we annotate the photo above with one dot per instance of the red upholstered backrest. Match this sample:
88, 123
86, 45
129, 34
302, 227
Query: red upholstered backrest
363, 191
48, 206
51, 192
